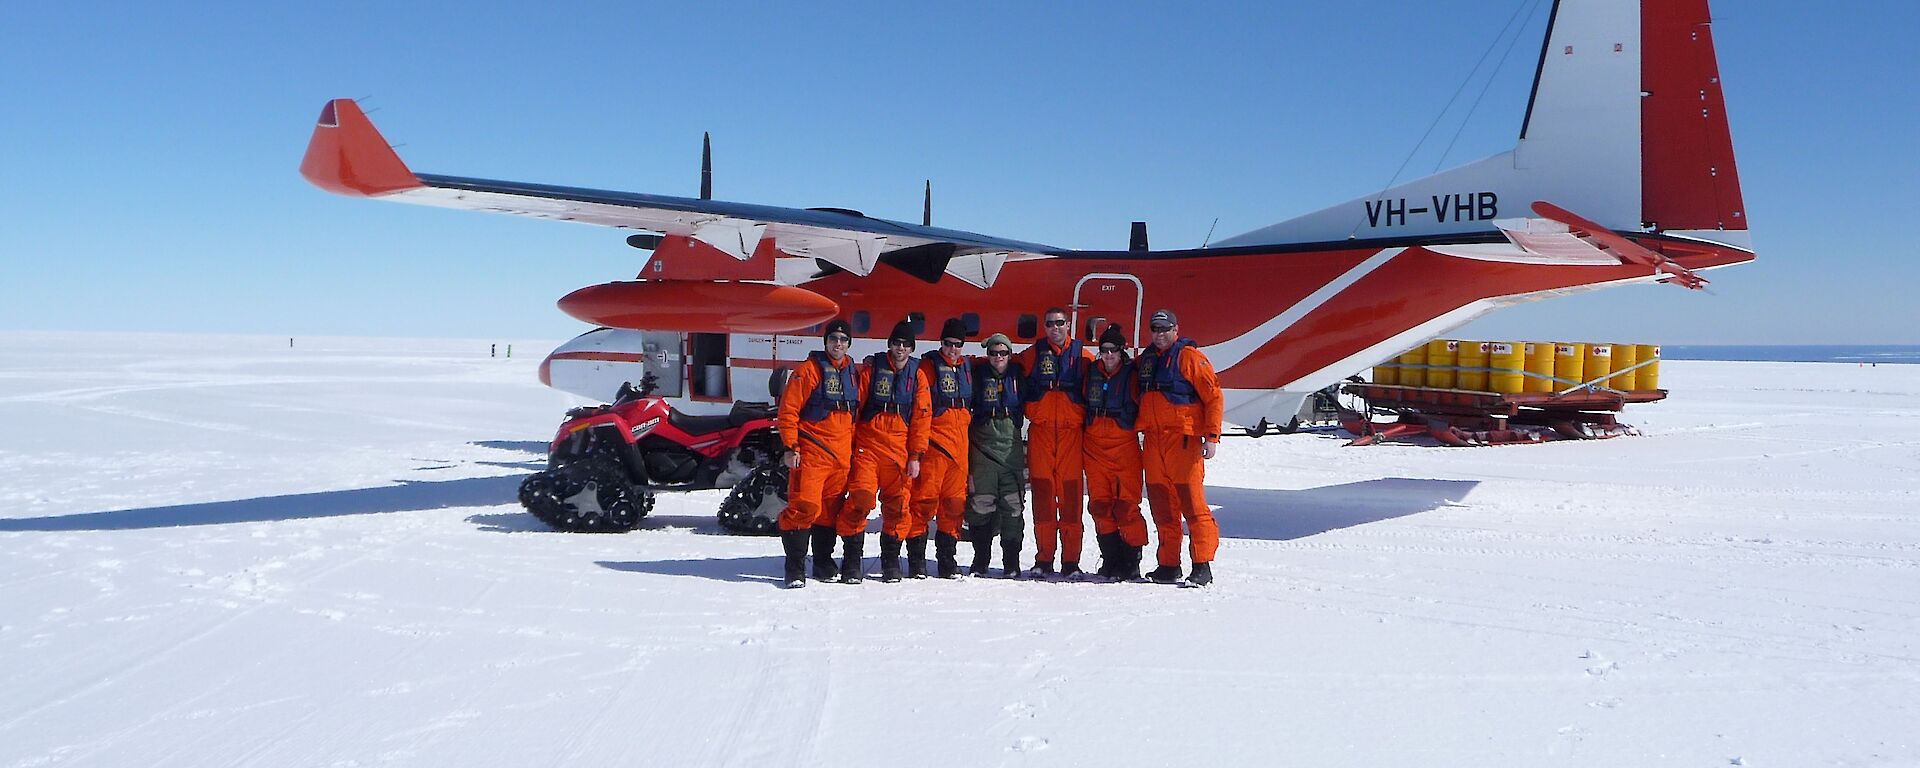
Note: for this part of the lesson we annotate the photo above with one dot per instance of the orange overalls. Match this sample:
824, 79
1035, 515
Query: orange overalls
816, 420
889, 432
942, 485
1112, 451
1055, 422
1180, 406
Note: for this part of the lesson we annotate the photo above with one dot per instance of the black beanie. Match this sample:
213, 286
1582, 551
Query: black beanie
954, 329
902, 331
837, 325
1113, 335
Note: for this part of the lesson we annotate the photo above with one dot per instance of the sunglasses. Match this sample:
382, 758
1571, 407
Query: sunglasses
999, 352
952, 344
900, 344
1109, 350
1056, 323
1162, 328
839, 338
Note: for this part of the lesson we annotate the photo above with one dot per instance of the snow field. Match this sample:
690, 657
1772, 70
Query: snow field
217, 551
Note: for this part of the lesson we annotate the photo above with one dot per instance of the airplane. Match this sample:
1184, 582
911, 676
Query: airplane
1623, 173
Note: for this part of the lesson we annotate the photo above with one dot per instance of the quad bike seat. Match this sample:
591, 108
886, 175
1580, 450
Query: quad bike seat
699, 425
745, 411
742, 413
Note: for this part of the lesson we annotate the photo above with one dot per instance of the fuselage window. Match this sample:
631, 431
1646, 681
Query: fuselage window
972, 321
861, 322
1028, 327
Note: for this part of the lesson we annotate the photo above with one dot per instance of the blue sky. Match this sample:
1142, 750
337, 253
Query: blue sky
148, 154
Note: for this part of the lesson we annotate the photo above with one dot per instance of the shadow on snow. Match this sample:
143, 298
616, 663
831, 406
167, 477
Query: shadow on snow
1281, 515
749, 570
407, 496
1243, 513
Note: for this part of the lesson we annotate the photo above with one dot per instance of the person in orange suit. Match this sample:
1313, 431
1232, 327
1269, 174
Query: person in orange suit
941, 489
889, 440
1112, 449
816, 423
1180, 415
1056, 417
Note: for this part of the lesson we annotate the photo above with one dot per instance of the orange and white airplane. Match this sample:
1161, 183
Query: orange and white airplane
1623, 173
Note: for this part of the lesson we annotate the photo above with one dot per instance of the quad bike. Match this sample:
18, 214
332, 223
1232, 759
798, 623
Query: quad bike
607, 462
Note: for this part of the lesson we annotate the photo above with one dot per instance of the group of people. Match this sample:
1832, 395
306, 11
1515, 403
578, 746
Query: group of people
935, 442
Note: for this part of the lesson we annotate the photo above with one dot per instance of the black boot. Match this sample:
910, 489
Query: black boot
1010, 558
1109, 555
944, 548
823, 567
1129, 567
795, 543
889, 559
1202, 574
982, 542
1166, 574
1042, 569
1070, 571
917, 557
850, 567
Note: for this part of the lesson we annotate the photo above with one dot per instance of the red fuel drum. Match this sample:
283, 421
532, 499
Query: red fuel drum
699, 306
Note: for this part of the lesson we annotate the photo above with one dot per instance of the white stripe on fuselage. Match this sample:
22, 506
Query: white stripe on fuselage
1231, 352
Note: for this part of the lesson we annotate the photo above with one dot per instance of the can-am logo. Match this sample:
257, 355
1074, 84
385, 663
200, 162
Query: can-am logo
645, 427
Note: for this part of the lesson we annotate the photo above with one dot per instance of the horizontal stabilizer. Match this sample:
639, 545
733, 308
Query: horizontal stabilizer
1594, 236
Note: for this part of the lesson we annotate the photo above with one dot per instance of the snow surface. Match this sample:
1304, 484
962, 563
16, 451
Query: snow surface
218, 551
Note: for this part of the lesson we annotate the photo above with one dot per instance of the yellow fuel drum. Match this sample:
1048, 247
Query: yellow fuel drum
1599, 363
1473, 365
1624, 357
1410, 376
1649, 373
1508, 359
1540, 363
1442, 353
1569, 363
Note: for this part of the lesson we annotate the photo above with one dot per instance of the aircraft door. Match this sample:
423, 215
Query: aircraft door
665, 361
1104, 298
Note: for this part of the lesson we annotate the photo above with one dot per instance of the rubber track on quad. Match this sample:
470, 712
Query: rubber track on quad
616, 505
739, 513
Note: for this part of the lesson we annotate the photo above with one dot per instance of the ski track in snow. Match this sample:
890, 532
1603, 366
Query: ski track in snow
313, 557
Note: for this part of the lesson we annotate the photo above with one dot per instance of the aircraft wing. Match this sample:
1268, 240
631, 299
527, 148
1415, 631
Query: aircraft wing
348, 156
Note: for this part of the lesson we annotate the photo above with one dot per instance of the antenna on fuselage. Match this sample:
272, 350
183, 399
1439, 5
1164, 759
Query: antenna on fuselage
706, 165
1209, 239
926, 206
1138, 242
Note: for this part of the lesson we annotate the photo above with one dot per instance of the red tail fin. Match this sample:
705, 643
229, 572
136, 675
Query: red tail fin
1688, 179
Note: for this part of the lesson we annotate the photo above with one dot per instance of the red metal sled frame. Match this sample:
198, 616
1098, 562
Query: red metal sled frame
1467, 417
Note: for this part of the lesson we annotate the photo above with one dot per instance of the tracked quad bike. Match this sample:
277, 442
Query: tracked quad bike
607, 462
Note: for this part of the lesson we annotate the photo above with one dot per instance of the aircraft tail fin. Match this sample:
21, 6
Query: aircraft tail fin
1687, 173
1626, 124
348, 156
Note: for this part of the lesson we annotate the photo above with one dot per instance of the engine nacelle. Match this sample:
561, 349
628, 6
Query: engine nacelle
699, 306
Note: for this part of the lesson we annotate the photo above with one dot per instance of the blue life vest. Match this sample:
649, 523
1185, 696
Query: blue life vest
997, 395
835, 393
888, 390
952, 384
1110, 397
1161, 373
1052, 371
